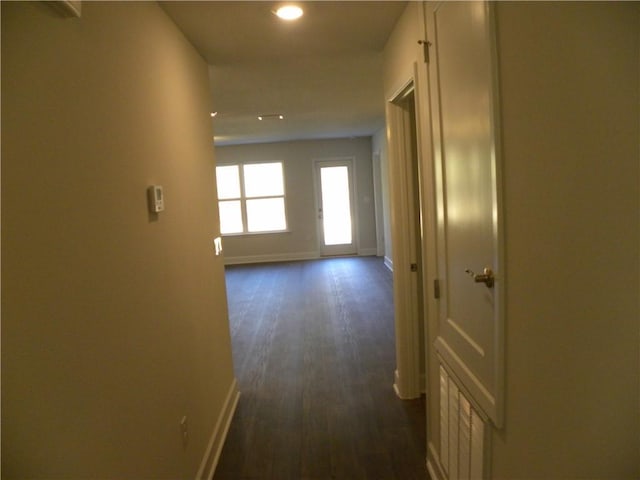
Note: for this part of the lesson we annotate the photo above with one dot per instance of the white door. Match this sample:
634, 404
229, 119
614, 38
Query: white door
335, 207
464, 103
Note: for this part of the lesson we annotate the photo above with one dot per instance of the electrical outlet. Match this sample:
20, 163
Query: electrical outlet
184, 429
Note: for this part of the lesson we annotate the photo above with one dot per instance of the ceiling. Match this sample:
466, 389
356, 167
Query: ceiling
323, 72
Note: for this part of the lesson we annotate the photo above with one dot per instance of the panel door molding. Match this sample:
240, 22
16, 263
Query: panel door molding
463, 82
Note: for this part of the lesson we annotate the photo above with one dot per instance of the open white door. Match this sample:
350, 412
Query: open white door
334, 187
463, 95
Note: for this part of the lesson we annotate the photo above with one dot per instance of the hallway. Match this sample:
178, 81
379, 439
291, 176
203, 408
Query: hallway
313, 349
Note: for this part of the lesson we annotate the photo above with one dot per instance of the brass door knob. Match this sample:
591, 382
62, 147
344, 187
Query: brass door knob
485, 277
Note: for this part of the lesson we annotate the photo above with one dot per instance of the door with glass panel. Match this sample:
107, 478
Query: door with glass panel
334, 190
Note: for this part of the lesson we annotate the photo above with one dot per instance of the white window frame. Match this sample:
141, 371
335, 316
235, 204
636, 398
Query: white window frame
243, 199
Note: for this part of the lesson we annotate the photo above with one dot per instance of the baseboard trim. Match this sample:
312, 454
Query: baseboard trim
396, 380
395, 389
269, 258
433, 464
406, 392
214, 449
288, 257
388, 263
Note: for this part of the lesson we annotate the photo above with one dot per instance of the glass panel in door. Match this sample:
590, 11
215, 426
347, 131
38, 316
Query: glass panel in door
335, 209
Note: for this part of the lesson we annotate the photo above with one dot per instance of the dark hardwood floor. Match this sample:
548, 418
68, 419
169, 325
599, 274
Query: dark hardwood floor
314, 354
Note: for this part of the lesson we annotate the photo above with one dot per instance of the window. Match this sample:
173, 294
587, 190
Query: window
251, 198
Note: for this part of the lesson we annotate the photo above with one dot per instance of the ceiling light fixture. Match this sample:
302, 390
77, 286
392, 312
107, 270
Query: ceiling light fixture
213, 114
289, 12
271, 116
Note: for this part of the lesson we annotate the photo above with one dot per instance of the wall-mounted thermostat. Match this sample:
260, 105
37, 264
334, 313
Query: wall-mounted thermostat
156, 198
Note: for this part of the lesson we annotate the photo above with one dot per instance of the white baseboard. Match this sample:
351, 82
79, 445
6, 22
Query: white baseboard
276, 257
287, 257
396, 380
433, 464
214, 449
402, 393
388, 263
395, 389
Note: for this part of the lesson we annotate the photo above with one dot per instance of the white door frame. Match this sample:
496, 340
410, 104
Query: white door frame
408, 383
377, 198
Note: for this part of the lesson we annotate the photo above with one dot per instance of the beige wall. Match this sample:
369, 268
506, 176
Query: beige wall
570, 134
402, 50
114, 323
298, 156
569, 77
379, 145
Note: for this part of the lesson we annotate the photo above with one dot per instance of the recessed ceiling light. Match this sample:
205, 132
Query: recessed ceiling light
289, 12
271, 116
213, 114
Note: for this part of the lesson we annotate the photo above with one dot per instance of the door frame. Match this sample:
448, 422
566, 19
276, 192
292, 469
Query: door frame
377, 201
409, 319
349, 162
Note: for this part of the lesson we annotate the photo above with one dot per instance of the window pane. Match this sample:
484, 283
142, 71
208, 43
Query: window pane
228, 182
263, 180
230, 217
266, 214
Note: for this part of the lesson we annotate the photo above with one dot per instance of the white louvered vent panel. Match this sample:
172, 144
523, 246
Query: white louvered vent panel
444, 419
477, 446
454, 429
461, 433
464, 443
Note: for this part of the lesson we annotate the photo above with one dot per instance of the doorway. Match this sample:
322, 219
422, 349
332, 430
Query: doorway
408, 265
334, 193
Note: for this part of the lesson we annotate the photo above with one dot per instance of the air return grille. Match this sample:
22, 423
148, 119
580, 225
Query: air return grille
461, 433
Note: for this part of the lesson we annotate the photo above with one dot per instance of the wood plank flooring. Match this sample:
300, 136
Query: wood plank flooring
314, 354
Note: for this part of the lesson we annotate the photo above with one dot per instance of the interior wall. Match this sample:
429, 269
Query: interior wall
402, 50
404, 67
114, 321
301, 241
570, 135
379, 145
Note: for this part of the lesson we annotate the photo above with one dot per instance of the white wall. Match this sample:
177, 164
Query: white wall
302, 239
114, 322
